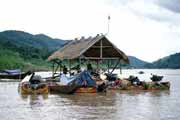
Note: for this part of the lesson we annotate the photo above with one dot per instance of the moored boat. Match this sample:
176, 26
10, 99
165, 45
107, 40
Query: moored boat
60, 88
12, 74
81, 83
33, 85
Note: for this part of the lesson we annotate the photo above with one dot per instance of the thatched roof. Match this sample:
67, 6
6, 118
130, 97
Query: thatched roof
98, 47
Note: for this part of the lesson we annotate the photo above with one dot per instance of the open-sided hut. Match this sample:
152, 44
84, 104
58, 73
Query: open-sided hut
93, 48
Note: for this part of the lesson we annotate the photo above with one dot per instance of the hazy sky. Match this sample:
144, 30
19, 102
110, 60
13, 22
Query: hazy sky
147, 29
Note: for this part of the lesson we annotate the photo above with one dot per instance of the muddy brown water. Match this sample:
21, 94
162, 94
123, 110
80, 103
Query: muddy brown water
113, 105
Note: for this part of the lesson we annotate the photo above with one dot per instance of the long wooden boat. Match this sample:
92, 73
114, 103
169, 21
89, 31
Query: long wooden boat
80, 83
59, 88
70, 89
14, 76
73, 88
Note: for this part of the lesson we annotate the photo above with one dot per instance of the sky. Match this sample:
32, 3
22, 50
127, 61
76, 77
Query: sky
147, 29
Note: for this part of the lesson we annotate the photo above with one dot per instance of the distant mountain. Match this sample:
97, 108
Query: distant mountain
136, 63
171, 61
33, 49
39, 41
18, 48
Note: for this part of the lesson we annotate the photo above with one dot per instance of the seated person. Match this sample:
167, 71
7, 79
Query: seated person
89, 67
78, 68
65, 70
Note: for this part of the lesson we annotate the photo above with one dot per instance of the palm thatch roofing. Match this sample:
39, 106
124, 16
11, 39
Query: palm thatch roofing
98, 47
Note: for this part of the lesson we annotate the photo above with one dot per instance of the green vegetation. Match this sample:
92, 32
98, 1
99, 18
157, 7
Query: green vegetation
13, 60
26, 51
172, 61
10, 59
136, 63
22, 50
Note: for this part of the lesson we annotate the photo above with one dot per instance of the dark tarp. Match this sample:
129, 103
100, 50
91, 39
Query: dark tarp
11, 72
84, 79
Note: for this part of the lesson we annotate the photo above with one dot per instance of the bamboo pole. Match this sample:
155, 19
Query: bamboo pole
98, 66
108, 65
53, 70
120, 69
101, 55
80, 63
115, 66
69, 62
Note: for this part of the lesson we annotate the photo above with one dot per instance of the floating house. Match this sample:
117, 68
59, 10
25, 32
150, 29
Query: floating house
96, 48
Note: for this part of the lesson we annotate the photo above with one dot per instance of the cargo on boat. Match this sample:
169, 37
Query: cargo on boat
32, 84
133, 83
79, 83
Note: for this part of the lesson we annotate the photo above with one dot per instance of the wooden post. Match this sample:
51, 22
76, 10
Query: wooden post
56, 68
98, 66
101, 55
115, 66
53, 70
80, 62
108, 65
60, 67
120, 69
69, 62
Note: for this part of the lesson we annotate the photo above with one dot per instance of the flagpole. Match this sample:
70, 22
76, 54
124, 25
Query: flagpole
108, 24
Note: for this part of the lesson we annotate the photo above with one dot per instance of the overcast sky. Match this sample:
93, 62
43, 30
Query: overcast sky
147, 29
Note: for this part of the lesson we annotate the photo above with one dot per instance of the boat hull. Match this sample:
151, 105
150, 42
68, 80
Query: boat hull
17, 76
70, 89
65, 89
41, 89
86, 90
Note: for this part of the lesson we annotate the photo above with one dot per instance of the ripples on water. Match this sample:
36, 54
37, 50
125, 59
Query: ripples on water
119, 105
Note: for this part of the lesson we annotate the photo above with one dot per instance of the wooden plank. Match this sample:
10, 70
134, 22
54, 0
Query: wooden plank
57, 68
120, 69
100, 46
69, 62
101, 55
98, 58
53, 70
108, 66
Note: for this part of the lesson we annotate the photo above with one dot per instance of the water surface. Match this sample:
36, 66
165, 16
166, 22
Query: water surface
113, 105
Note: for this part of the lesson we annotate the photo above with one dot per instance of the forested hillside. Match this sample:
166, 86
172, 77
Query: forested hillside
172, 61
23, 50
136, 62
20, 49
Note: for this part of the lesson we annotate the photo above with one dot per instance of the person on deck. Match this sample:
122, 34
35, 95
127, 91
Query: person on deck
65, 70
78, 68
89, 67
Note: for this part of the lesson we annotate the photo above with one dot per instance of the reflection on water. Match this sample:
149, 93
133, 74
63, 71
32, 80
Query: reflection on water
34, 100
113, 105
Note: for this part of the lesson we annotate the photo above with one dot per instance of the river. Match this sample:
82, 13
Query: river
113, 105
